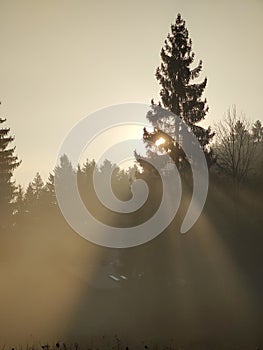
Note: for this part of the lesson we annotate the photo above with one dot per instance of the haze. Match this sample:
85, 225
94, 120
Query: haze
61, 60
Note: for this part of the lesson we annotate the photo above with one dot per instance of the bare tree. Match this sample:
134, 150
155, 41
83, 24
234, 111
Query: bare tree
234, 146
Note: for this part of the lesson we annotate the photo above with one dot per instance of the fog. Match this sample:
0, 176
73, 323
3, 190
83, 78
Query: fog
203, 287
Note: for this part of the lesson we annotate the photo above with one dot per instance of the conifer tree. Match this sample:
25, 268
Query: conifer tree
49, 192
33, 197
179, 94
8, 163
37, 186
257, 131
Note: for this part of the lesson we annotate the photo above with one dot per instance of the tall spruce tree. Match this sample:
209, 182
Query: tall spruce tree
179, 94
8, 163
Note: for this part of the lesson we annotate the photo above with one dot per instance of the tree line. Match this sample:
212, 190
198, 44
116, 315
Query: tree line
233, 149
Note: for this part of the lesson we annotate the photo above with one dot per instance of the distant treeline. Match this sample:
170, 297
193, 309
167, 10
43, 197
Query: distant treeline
237, 167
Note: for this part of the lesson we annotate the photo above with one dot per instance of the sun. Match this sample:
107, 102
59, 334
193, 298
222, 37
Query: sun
160, 141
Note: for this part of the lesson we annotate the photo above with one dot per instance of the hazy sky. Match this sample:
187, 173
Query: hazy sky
61, 60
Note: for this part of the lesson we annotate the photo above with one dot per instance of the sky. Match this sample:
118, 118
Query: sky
62, 60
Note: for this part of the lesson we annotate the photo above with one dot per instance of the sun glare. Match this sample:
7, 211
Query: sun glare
160, 141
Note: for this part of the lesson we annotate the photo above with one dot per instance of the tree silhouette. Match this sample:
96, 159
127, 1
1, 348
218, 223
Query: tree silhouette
8, 163
257, 131
235, 147
33, 199
49, 195
179, 94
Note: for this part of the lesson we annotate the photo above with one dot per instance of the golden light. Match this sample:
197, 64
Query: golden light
160, 141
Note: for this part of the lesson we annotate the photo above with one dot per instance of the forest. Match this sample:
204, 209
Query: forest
202, 287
